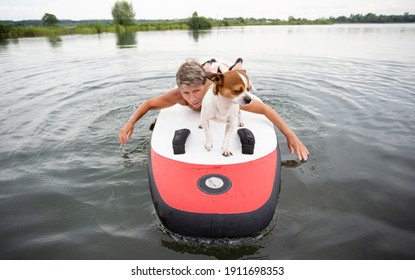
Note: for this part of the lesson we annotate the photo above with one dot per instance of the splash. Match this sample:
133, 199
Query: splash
220, 248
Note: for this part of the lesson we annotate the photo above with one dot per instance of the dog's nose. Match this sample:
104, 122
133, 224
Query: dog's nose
247, 100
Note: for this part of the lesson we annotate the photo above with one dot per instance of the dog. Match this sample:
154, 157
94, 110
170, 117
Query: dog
221, 103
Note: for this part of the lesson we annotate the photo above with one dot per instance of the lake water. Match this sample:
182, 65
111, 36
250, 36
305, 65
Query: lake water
69, 191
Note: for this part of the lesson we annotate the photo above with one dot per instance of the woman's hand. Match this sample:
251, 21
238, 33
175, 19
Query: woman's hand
295, 145
125, 133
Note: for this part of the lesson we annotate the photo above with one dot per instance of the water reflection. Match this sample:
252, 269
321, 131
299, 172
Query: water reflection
55, 41
126, 39
291, 163
196, 34
3, 43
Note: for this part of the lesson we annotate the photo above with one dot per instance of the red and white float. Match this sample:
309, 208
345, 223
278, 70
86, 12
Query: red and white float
204, 194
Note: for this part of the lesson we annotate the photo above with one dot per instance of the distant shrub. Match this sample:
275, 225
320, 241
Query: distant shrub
196, 22
123, 13
49, 20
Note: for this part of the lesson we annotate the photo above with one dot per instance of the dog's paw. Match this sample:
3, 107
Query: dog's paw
208, 147
227, 153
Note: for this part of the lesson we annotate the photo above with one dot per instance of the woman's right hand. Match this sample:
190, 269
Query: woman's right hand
125, 133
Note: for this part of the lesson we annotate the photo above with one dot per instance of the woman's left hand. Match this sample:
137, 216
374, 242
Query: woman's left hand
295, 145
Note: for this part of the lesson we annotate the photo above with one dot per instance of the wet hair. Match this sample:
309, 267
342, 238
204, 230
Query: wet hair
190, 73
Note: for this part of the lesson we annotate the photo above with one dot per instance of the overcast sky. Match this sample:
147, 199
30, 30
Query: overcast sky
173, 9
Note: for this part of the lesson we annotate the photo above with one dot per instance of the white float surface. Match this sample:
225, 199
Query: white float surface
177, 117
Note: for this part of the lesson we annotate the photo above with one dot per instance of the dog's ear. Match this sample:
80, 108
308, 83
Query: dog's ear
215, 89
217, 79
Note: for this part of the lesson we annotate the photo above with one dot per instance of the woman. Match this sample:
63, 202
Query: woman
191, 88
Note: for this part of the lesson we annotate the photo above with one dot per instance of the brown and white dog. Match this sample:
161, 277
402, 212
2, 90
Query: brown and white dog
221, 103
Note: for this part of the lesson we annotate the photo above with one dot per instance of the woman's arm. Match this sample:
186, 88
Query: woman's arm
294, 144
165, 100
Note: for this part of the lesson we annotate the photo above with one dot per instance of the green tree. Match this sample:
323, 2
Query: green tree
370, 18
49, 20
196, 22
123, 13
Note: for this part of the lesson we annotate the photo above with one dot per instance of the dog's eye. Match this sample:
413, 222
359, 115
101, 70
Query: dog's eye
238, 90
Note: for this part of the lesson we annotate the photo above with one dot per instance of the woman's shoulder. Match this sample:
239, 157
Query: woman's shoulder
175, 96
172, 95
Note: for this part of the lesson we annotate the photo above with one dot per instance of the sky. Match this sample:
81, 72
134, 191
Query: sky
218, 9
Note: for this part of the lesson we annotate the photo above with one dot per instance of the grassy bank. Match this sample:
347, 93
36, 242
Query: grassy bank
18, 31
34, 28
41, 31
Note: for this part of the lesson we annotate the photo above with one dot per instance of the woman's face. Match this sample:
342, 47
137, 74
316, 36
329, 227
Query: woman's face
193, 94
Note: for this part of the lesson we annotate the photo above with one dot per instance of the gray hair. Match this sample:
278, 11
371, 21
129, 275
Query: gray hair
190, 73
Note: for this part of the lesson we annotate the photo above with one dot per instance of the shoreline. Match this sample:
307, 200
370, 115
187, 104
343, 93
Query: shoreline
31, 31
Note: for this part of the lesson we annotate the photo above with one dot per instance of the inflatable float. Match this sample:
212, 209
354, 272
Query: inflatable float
204, 194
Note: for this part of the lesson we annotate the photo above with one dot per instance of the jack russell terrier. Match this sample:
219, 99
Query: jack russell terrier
221, 103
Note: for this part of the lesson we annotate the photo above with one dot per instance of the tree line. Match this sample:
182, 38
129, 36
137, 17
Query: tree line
124, 17
373, 18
